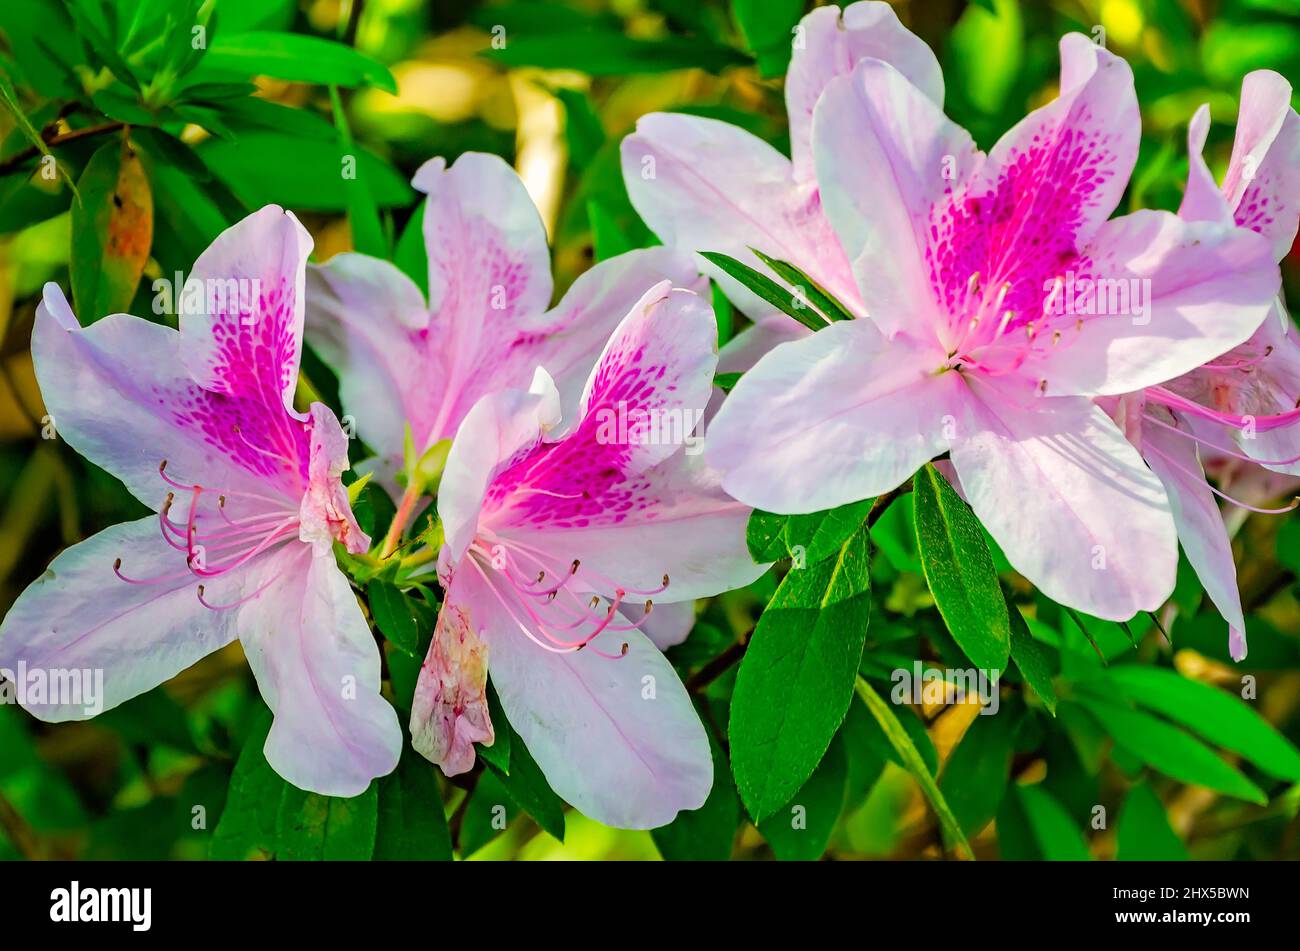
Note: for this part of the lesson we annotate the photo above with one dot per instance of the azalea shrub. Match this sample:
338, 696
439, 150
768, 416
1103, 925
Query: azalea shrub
711, 430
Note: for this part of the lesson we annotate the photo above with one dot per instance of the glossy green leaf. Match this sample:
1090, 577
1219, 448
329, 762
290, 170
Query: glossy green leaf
960, 571
248, 823
782, 298
796, 680
705, 834
312, 827
816, 295
488, 813
1032, 658
726, 382
808, 539
800, 830
363, 214
529, 789
410, 824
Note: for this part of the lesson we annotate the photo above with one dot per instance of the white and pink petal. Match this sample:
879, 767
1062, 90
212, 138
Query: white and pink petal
317, 667
829, 42
614, 732
1201, 530
80, 620
119, 393
1068, 499
705, 185
839, 416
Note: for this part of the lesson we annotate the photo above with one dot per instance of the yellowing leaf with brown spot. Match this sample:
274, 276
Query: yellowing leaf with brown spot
112, 231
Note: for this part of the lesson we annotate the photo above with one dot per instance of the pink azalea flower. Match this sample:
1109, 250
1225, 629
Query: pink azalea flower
487, 323
706, 185
993, 289
561, 540
199, 425
1251, 394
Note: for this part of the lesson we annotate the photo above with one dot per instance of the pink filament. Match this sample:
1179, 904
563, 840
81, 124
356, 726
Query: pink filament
1223, 449
1262, 424
1221, 494
246, 538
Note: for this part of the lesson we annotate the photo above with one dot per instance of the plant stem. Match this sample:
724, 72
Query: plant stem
18, 158
403, 515
718, 666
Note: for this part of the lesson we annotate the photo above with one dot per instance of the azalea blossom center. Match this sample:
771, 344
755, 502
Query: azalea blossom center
214, 543
556, 605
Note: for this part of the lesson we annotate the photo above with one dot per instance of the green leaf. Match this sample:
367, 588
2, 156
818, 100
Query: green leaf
987, 49
724, 312
864, 748
1230, 50
583, 132
487, 814
809, 539
874, 735
727, 382
1217, 716
529, 789
25, 128
242, 15
795, 682
152, 717
894, 534
1288, 545
817, 296
363, 213
767, 289
1169, 750
960, 571
393, 615
1031, 658
705, 834
112, 231
1143, 832
312, 827
248, 823
768, 28
292, 56
255, 169
609, 53
975, 777
410, 254
254, 113
102, 46
914, 763
498, 754
1057, 835
800, 830
411, 825
607, 236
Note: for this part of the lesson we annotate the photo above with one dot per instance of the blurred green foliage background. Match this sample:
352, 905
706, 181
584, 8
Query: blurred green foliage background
552, 87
